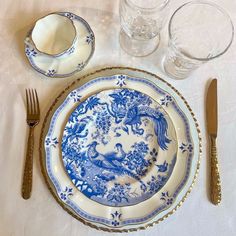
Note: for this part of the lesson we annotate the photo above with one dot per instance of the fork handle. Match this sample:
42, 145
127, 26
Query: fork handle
28, 171
215, 174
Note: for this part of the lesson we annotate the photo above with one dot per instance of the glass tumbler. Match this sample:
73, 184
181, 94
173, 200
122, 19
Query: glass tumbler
141, 23
199, 31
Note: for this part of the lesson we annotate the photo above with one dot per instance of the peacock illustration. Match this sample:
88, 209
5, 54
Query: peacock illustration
97, 158
117, 157
133, 119
110, 161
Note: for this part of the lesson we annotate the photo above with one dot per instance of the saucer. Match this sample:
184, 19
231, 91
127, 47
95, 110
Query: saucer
72, 62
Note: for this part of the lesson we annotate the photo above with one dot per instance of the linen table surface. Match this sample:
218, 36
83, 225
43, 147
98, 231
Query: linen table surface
41, 215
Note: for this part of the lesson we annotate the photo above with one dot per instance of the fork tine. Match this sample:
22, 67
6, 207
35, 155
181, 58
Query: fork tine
34, 102
37, 102
27, 101
30, 101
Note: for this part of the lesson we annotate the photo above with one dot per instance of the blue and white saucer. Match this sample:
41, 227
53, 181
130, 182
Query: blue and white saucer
119, 147
74, 61
117, 159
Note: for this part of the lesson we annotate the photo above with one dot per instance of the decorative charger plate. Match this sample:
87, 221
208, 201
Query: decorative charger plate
68, 65
129, 159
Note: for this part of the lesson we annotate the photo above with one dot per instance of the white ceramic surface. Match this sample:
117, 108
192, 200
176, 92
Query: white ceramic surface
53, 34
160, 204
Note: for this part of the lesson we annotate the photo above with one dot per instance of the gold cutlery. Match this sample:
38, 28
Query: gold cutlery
33, 116
212, 125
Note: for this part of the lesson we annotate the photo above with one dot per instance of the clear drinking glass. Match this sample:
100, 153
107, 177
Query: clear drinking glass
199, 31
141, 22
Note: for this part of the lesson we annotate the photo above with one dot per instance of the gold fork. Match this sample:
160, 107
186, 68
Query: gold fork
33, 116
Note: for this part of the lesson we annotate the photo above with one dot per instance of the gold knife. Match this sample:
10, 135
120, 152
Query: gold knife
212, 125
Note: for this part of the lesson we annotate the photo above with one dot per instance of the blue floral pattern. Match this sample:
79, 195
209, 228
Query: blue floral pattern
51, 73
90, 38
186, 147
95, 153
119, 193
51, 142
69, 15
81, 65
116, 218
106, 220
167, 198
166, 100
71, 50
103, 121
30, 52
75, 96
121, 80
66, 193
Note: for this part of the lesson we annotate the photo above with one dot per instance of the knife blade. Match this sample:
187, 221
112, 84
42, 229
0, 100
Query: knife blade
211, 111
212, 127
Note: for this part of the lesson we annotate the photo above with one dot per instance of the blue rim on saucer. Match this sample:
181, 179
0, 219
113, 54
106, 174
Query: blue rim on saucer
74, 59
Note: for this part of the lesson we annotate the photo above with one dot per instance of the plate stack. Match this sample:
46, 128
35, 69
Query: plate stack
120, 149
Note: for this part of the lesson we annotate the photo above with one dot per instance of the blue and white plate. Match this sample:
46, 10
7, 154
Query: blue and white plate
115, 158
115, 144
68, 65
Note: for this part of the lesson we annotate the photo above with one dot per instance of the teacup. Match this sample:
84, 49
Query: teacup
53, 36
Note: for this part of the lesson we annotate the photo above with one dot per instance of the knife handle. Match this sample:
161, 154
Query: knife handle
215, 174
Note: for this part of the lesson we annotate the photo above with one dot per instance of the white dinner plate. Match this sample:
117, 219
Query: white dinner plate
143, 203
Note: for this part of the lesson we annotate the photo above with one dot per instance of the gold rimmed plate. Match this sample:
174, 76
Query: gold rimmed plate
121, 217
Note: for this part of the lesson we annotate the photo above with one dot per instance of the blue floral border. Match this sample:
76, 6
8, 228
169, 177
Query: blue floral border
101, 219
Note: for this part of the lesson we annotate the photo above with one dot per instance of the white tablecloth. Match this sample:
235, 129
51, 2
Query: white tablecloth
41, 215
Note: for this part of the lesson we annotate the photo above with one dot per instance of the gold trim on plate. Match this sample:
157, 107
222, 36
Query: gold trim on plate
42, 156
